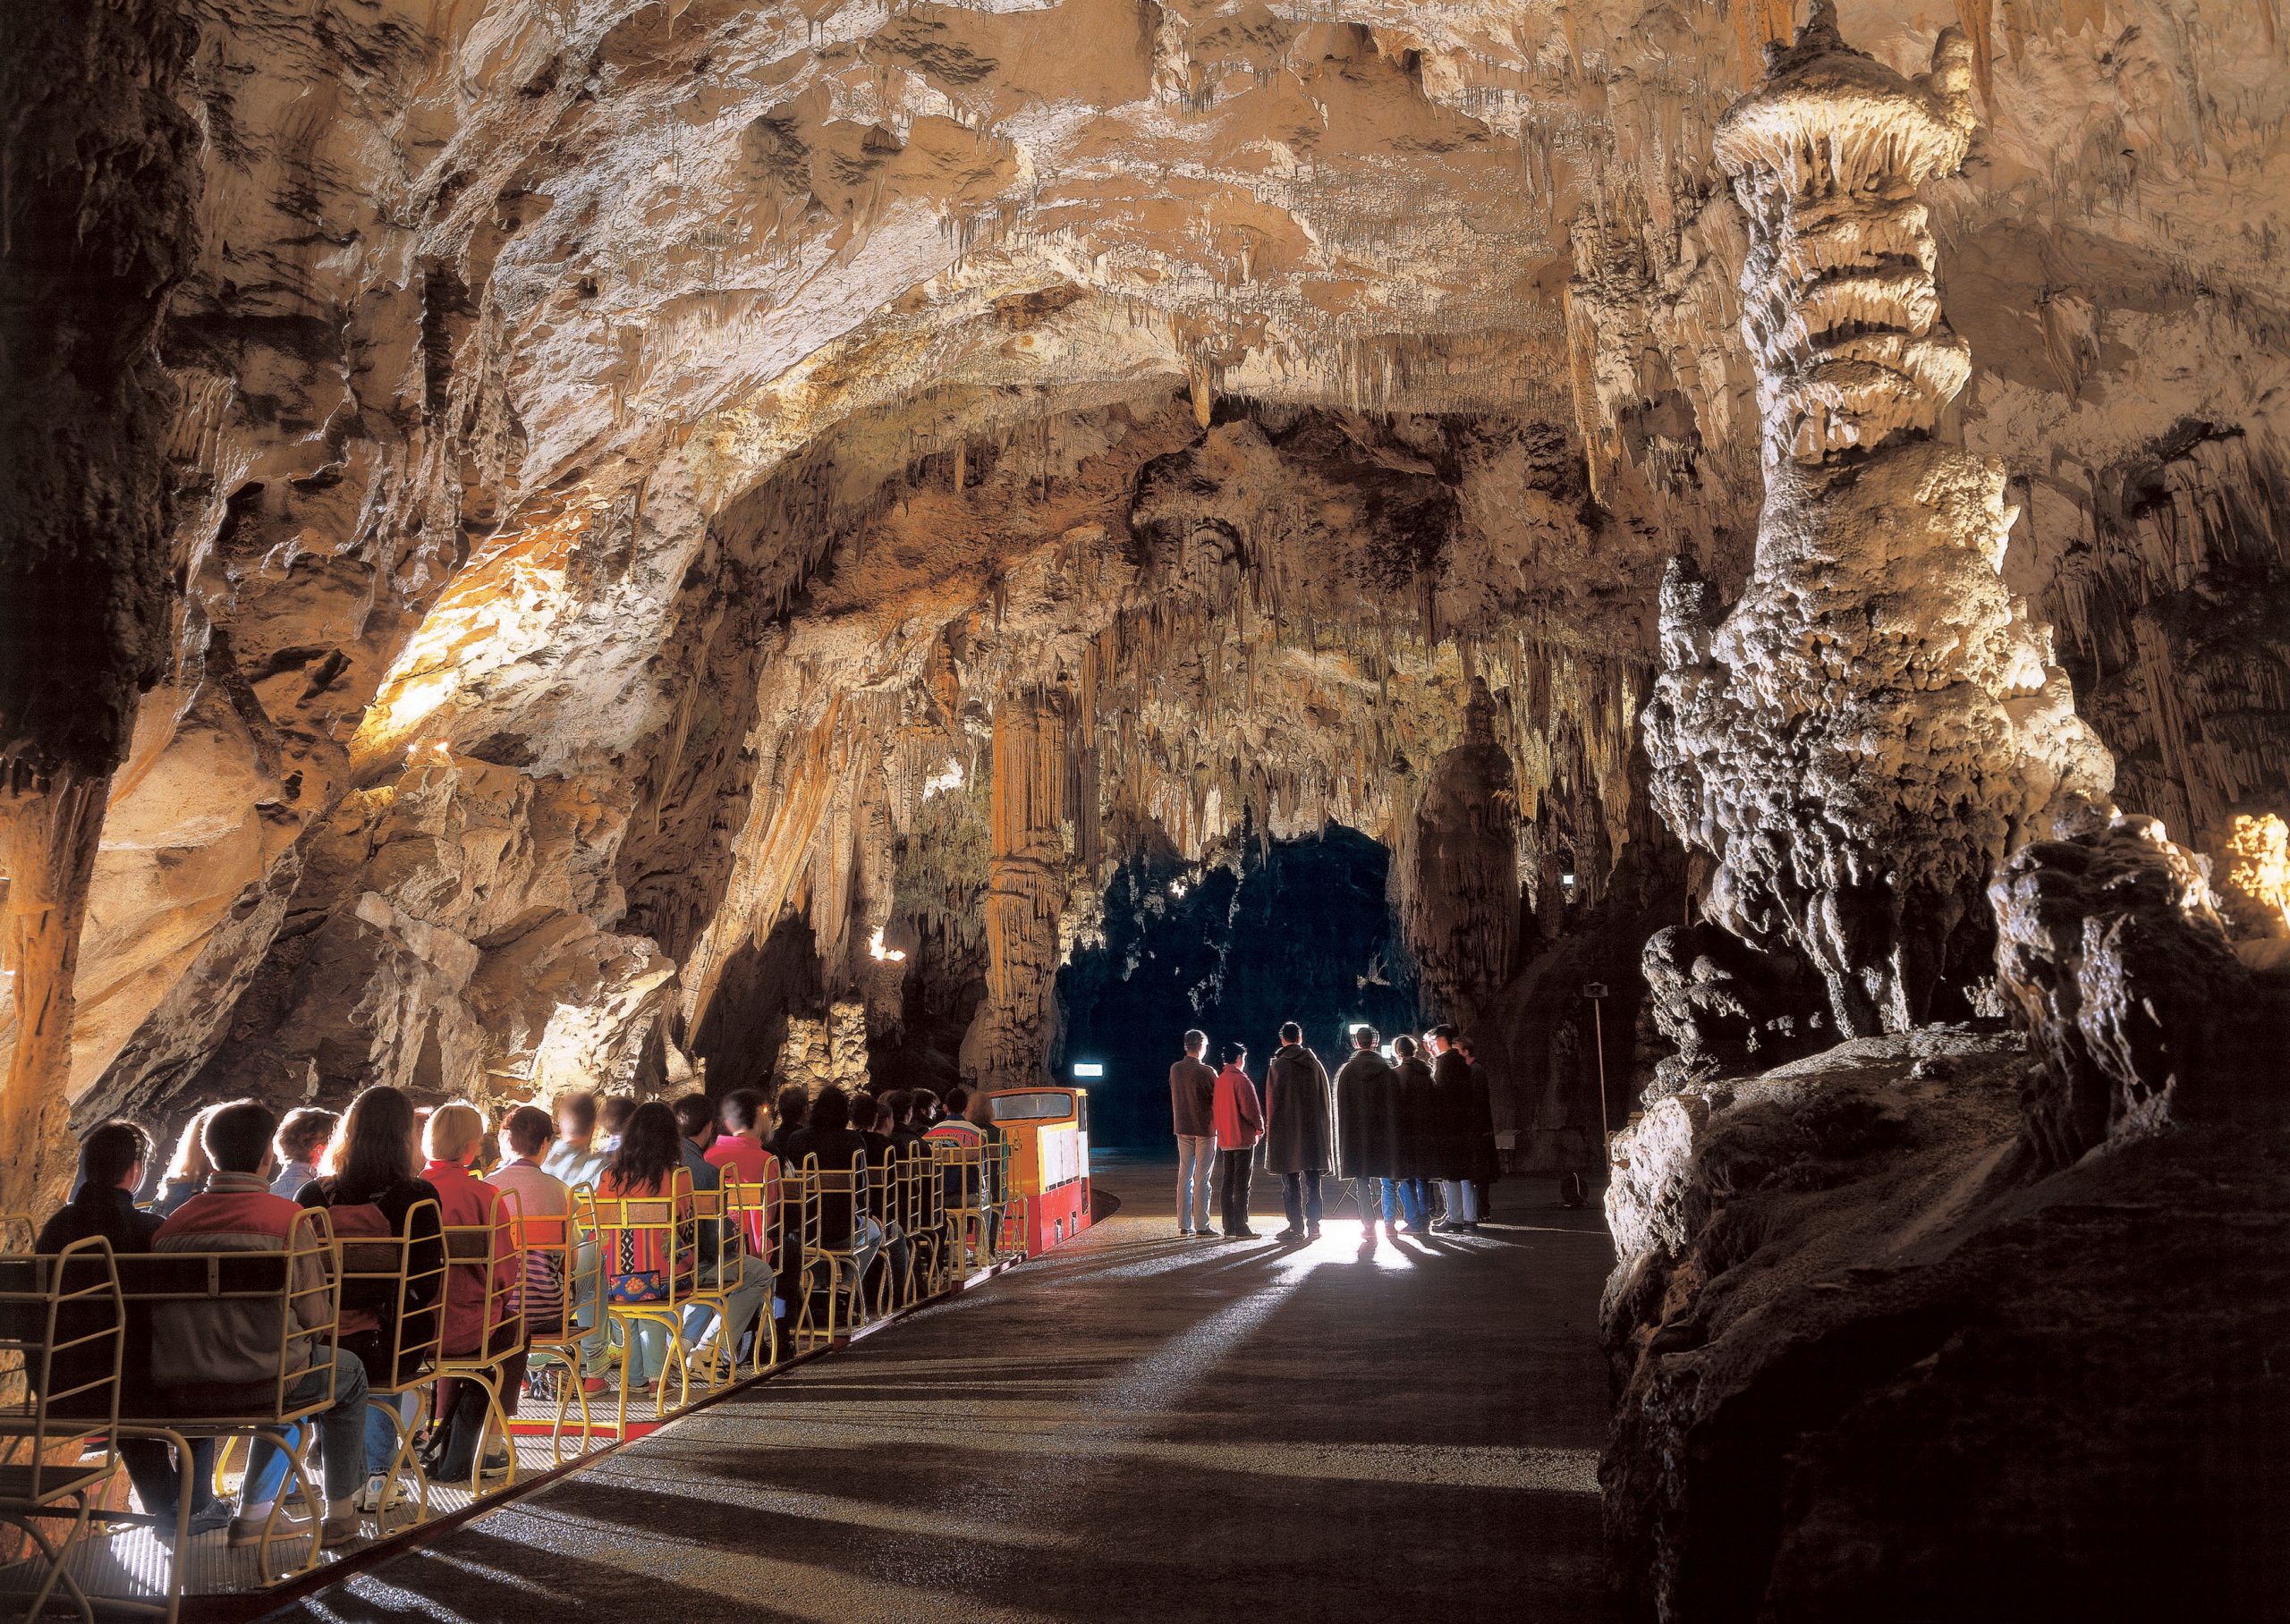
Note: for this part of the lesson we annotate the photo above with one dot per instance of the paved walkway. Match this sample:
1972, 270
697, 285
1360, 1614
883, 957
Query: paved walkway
1133, 1428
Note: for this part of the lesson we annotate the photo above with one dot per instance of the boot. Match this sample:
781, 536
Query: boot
457, 1457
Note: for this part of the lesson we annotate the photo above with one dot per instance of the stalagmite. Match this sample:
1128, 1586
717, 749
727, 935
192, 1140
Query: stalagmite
1876, 722
1459, 869
1025, 892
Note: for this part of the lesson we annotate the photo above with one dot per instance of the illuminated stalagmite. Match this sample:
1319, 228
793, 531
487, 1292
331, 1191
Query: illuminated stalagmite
1877, 720
1459, 868
1026, 895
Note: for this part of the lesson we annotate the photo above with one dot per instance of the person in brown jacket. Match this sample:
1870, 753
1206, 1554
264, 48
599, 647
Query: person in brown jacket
1193, 1100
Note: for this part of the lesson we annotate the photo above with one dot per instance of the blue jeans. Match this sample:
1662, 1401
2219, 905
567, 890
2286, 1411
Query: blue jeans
1406, 1196
587, 1312
1463, 1200
742, 1305
342, 1433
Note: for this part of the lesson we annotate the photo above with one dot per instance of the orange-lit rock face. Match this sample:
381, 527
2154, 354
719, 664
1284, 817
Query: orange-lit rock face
713, 412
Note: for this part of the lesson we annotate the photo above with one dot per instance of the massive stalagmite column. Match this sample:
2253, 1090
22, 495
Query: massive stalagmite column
1876, 723
1459, 868
95, 228
1026, 895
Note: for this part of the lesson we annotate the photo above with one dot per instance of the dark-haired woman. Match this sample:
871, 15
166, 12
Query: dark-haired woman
789, 1111
369, 1180
638, 1263
789, 1108
828, 1135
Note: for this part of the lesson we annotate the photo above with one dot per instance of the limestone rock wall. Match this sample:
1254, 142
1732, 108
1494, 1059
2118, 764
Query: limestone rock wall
1871, 1363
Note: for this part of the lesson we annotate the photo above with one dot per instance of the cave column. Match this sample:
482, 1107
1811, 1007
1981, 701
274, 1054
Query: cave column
96, 225
48, 837
1876, 722
1459, 868
1025, 900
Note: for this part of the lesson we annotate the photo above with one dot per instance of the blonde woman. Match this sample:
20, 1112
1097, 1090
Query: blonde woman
188, 1168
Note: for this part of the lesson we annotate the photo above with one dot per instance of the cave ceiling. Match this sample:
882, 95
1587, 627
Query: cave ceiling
627, 456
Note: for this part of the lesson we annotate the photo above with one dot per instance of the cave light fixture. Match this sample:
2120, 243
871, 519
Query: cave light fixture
1088, 1069
875, 949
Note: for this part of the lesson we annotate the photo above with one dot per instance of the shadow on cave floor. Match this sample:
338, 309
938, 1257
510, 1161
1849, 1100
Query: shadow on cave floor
1135, 1427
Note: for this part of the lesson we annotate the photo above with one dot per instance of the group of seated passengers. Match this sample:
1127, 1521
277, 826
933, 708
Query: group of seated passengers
240, 1179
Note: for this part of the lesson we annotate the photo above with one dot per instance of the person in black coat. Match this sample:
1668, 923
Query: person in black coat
1363, 1087
1295, 1130
112, 1161
1459, 1104
1483, 1157
1414, 1136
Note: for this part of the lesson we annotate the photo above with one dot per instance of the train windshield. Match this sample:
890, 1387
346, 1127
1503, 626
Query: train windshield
1021, 1107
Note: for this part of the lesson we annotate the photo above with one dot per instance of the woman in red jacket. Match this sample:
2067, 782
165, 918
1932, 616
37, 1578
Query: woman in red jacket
1239, 1124
481, 1311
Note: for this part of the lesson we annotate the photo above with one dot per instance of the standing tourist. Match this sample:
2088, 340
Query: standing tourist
1465, 1133
1296, 1107
1414, 1118
1365, 1089
1239, 1124
1192, 1103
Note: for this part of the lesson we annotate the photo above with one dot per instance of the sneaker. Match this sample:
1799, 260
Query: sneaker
593, 1385
286, 1525
369, 1498
496, 1463
214, 1514
1246, 1235
339, 1530
1312, 1233
1440, 1226
1184, 1234
1289, 1236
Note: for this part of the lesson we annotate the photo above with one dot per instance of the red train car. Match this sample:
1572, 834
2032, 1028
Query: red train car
1049, 1129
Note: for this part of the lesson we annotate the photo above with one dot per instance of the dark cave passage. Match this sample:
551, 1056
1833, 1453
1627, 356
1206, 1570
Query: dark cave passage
1301, 930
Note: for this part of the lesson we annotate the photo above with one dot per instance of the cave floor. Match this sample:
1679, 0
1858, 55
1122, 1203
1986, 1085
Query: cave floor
1134, 1427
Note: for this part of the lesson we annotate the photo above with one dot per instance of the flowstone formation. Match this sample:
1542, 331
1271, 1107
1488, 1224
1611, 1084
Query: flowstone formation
2131, 996
1876, 722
